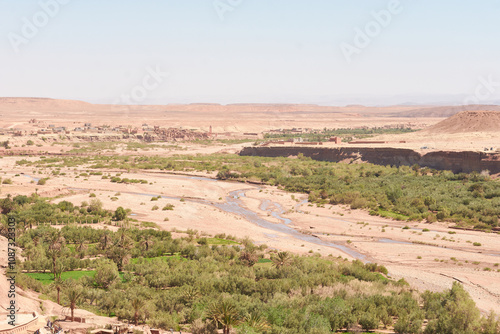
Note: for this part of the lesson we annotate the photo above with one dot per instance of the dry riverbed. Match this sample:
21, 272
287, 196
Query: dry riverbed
428, 256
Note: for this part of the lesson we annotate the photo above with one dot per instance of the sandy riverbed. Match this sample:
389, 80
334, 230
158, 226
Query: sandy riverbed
427, 260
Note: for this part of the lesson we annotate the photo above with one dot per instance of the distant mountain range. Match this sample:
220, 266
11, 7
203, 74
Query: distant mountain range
33, 105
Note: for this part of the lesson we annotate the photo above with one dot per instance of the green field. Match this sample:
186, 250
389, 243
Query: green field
165, 258
219, 241
47, 278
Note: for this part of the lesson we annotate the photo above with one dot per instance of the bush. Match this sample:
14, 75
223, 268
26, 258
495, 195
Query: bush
95, 206
369, 321
42, 182
405, 326
168, 207
120, 214
200, 327
106, 274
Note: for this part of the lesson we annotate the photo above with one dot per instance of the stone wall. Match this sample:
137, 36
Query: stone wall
465, 161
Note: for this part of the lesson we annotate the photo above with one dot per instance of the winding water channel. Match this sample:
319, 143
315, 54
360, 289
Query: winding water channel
234, 205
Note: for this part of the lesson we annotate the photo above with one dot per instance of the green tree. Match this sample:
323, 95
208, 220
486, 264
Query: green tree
120, 214
457, 314
58, 285
137, 304
257, 321
119, 252
491, 324
147, 241
281, 259
106, 274
407, 324
56, 247
225, 314
248, 258
73, 293
105, 239
95, 206
369, 320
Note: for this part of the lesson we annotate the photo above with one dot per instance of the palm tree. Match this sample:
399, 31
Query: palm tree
248, 258
225, 314
137, 304
80, 242
31, 221
257, 321
106, 235
58, 284
73, 293
124, 240
119, 252
147, 241
29, 250
281, 259
190, 293
56, 243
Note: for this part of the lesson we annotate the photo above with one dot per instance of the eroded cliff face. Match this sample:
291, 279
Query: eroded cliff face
457, 162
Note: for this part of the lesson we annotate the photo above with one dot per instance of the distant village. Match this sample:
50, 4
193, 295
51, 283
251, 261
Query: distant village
43, 128
145, 132
152, 133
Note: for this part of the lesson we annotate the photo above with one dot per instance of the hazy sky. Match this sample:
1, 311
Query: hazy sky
232, 51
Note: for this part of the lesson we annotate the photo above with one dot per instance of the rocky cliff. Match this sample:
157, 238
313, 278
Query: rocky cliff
457, 162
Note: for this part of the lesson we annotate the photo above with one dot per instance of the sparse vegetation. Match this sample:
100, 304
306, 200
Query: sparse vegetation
168, 207
7, 181
42, 181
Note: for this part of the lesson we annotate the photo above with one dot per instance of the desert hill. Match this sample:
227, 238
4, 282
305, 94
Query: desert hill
16, 103
467, 121
34, 105
445, 111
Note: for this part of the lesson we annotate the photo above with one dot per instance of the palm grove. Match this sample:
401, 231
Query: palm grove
201, 284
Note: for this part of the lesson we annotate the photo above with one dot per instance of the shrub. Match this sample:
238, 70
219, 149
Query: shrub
405, 326
168, 207
369, 321
120, 214
200, 327
42, 182
106, 274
